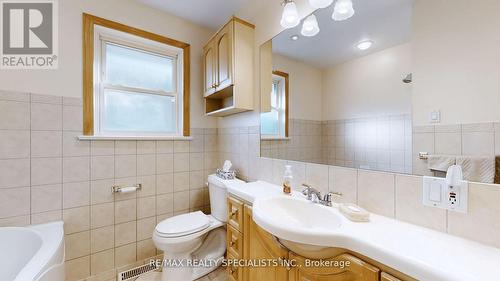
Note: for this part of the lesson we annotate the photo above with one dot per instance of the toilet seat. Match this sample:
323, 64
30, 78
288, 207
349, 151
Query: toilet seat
183, 225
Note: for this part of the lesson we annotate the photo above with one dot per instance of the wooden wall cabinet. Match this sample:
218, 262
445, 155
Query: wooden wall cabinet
246, 240
228, 69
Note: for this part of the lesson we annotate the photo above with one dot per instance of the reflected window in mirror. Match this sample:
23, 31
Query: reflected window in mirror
274, 123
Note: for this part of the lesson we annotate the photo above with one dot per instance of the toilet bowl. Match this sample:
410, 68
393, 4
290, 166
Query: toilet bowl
194, 244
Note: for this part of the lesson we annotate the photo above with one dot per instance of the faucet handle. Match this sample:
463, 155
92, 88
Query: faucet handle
307, 188
329, 195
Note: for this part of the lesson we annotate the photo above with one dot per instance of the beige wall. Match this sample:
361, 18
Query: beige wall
456, 61
305, 87
368, 86
67, 79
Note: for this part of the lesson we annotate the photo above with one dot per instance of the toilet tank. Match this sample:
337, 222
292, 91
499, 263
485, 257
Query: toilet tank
217, 189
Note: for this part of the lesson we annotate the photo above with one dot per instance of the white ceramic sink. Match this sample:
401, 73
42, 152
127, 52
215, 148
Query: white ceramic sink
297, 223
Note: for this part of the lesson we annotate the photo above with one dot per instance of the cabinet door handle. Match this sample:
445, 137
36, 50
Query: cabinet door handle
234, 213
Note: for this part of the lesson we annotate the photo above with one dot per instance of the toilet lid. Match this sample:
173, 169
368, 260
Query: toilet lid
183, 224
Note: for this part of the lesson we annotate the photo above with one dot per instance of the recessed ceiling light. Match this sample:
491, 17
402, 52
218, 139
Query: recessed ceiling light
364, 45
294, 37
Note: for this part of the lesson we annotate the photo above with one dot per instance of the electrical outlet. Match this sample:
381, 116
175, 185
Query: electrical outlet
437, 193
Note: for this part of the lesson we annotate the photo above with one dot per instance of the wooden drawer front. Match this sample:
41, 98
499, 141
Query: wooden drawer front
234, 242
234, 273
235, 213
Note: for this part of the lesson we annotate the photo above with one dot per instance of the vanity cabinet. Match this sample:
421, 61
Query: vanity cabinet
248, 241
228, 69
357, 270
387, 277
260, 245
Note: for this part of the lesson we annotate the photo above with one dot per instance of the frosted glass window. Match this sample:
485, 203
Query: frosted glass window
138, 69
270, 123
137, 112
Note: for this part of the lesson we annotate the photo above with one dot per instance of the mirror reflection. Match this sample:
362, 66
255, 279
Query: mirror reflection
337, 90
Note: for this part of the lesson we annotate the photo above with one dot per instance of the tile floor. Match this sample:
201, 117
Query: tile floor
218, 275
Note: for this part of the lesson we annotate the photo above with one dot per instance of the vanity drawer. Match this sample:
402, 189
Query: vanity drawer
235, 213
234, 273
234, 242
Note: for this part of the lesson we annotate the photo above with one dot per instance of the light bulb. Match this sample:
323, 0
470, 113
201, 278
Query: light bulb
364, 45
343, 10
290, 16
310, 26
320, 4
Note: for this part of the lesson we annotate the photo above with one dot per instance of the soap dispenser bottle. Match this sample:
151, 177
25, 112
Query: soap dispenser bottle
287, 180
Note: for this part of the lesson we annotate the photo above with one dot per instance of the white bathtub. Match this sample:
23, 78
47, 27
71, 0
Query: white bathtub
32, 253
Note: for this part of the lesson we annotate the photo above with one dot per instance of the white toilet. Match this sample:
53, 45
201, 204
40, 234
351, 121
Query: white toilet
195, 236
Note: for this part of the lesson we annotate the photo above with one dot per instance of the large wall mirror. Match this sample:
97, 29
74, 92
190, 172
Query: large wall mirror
347, 95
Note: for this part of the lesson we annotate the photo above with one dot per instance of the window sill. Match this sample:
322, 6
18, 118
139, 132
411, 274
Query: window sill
145, 138
275, 138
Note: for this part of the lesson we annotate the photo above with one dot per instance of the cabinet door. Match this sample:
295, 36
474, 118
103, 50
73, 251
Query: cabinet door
224, 47
357, 270
209, 69
260, 245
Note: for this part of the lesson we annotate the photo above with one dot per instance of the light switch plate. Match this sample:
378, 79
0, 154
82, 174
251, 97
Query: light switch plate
437, 193
435, 116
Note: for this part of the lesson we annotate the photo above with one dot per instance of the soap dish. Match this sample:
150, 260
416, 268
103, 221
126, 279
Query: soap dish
354, 213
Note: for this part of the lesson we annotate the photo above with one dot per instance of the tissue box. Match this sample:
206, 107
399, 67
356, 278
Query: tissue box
226, 175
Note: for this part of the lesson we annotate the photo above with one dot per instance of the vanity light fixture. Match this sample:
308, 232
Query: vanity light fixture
310, 26
364, 45
343, 10
320, 4
290, 17
294, 37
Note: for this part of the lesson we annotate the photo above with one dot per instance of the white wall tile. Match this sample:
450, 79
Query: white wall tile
125, 147
102, 167
46, 198
14, 115
46, 171
76, 169
481, 222
14, 202
14, 173
409, 206
46, 116
77, 245
376, 192
317, 177
102, 239
14, 144
76, 194
72, 146
125, 166
72, 118
76, 219
345, 181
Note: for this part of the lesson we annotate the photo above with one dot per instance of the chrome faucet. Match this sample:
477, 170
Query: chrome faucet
327, 200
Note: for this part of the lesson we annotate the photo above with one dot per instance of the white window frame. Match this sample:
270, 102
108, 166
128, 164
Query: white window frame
103, 36
281, 108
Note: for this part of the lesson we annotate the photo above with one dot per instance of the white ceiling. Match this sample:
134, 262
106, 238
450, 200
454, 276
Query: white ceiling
209, 13
386, 22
